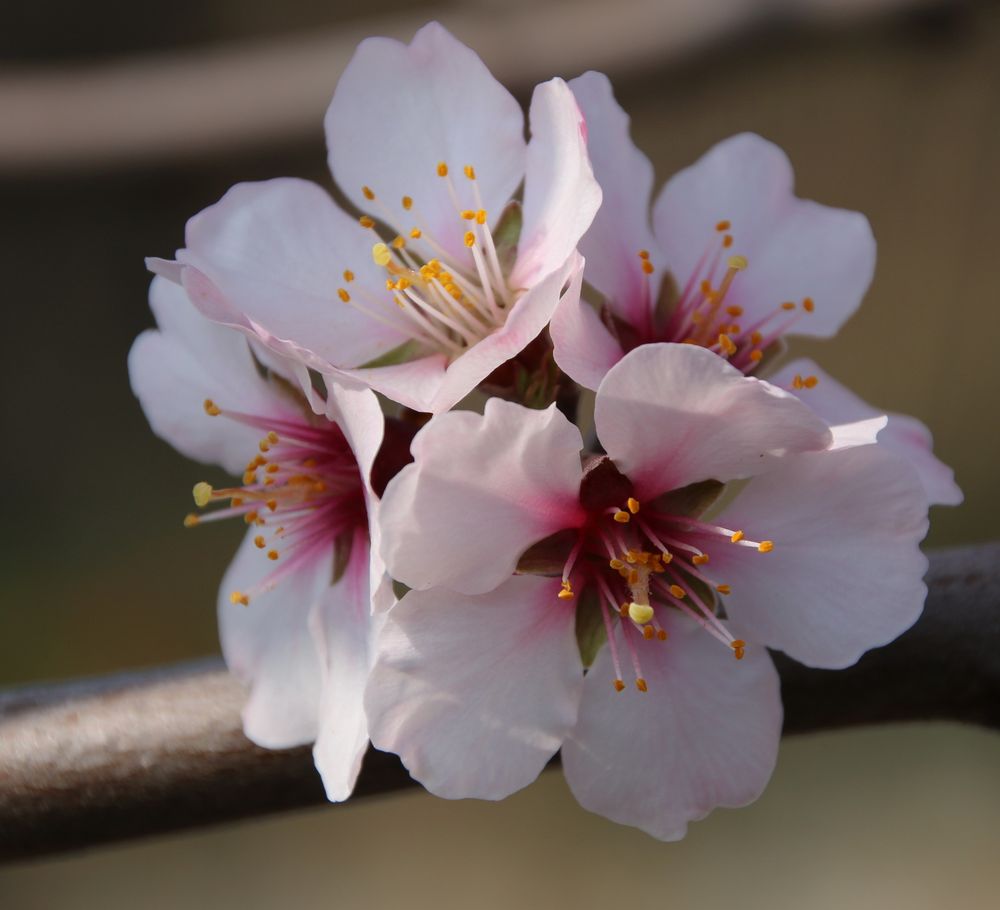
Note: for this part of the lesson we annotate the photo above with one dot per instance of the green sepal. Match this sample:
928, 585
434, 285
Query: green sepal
507, 234
590, 631
548, 556
408, 350
399, 590
341, 555
690, 501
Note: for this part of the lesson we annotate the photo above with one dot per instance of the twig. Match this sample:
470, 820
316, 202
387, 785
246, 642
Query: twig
87, 762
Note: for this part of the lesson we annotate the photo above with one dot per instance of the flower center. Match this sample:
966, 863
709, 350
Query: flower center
302, 490
444, 302
644, 562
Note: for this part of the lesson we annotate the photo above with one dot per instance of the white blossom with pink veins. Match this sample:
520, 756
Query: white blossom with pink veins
733, 261
445, 278
525, 564
295, 616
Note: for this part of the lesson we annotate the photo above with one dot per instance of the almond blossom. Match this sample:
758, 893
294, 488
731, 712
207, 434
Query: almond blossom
528, 565
445, 275
296, 602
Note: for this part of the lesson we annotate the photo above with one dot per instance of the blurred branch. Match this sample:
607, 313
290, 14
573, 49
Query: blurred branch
189, 103
87, 762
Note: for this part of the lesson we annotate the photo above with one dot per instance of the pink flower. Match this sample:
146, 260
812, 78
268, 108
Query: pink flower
526, 566
295, 605
445, 279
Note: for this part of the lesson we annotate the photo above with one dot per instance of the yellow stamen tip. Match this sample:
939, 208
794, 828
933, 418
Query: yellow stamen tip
678, 591
565, 595
238, 597
647, 267
202, 493
259, 542
633, 505
788, 305
700, 559
619, 685
723, 226
470, 238
810, 382
191, 520
727, 241
739, 648
368, 194
648, 632
366, 221
736, 537
644, 254
469, 171
640, 613
663, 634
468, 214
808, 305
442, 169
640, 684
416, 233
343, 295
348, 275
737, 262
407, 203
756, 355
398, 242
765, 546
621, 517
616, 564
272, 554
211, 408
667, 557
481, 216
724, 589
381, 254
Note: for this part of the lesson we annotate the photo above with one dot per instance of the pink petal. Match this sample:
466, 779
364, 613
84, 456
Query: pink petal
796, 248
621, 227
341, 624
705, 734
904, 435
188, 359
561, 195
845, 572
475, 694
268, 645
399, 110
671, 414
276, 253
481, 490
583, 348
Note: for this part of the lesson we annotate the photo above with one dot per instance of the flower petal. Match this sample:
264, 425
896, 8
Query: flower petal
705, 734
481, 490
475, 694
276, 252
845, 574
904, 435
268, 644
561, 195
341, 624
399, 110
174, 369
621, 227
795, 248
670, 415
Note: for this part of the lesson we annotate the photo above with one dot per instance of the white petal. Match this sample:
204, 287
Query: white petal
705, 734
475, 694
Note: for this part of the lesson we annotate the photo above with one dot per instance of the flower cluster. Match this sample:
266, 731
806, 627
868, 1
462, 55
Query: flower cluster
477, 588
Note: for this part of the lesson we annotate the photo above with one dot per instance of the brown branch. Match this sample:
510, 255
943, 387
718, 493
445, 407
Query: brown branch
82, 763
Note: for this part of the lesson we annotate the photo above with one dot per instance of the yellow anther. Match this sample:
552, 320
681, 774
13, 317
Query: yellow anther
705, 287
727, 241
398, 242
648, 632
640, 684
416, 233
667, 557
191, 520
678, 591
739, 647
470, 171
737, 262
662, 634
736, 537
381, 254
700, 559
211, 408
621, 517
797, 382
366, 221
647, 267
724, 589
633, 505
402, 284
616, 564
470, 238
273, 438
272, 469
623, 611
765, 546
263, 446
808, 305
619, 685
202, 493
343, 295
788, 305
734, 311
756, 355
468, 214
368, 194
726, 344
238, 597
644, 254
756, 338
810, 382
348, 276
251, 517
631, 557
272, 554
640, 613
272, 504
481, 216
723, 226
407, 203
442, 169
259, 542
567, 591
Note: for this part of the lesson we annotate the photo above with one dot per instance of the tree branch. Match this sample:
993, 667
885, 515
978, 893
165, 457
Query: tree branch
87, 762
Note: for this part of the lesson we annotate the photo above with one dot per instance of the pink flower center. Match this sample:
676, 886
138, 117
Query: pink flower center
303, 490
644, 562
704, 312
440, 301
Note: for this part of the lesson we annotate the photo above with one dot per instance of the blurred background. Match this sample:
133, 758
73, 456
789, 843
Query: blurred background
120, 120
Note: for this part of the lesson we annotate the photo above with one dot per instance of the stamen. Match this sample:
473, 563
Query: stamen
238, 597
211, 408
739, 648
633, 505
